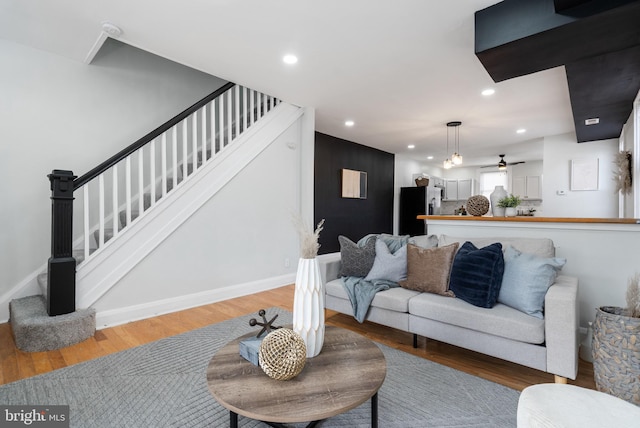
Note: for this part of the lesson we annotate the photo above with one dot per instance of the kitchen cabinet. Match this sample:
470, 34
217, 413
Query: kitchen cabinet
451, 190
459, 190
465, 189
527, 187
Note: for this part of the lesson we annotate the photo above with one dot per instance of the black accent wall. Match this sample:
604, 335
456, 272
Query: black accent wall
353, 218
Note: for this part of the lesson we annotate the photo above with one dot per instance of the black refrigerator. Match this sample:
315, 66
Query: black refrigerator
416, 201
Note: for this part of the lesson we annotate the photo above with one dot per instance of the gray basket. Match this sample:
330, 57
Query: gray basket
616, 353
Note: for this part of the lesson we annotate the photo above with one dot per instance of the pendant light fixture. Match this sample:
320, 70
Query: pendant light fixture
456, 158
447, 164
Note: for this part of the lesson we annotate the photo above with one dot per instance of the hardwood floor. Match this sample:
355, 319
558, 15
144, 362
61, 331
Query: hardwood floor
16, 365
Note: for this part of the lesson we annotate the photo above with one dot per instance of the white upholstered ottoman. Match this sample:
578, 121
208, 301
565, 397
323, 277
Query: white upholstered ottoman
557, 405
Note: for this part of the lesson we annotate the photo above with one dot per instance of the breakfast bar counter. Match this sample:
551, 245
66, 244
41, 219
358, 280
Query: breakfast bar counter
531, 219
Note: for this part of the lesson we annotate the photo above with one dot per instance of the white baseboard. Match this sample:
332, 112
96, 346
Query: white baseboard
114, 317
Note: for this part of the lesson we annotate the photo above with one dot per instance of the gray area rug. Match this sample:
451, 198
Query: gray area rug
163, 384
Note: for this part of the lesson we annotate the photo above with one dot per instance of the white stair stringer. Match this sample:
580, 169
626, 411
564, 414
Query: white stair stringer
117, 257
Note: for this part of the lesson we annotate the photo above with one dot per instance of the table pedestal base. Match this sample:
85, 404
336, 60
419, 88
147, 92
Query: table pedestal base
233, 417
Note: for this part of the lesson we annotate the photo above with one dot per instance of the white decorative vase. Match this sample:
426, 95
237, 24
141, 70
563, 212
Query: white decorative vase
510, 212
308, 306
497, 194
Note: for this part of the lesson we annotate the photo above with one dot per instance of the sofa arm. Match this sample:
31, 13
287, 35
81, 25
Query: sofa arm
329, 266
562, 327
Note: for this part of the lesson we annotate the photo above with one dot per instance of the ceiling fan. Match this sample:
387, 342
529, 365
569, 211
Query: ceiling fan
502, 164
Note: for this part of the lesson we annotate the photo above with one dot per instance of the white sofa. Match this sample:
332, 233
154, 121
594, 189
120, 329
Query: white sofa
549, 344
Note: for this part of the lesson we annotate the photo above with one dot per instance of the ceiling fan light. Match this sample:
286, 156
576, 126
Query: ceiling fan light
456, 159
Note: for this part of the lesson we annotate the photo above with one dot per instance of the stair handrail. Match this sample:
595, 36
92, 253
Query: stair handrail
95, 172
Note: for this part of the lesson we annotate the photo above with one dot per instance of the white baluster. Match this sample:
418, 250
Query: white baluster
127, 181
163, 163
252, 106
185, 139
229, 118
174, 154
114, 201
152, 171
244, 109
140, 183
85, 189
212, 120
203, 136
194, 140
236, 90
100, 210
221, 109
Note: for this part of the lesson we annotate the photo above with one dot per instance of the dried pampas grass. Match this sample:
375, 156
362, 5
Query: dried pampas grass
633, 296
309, 245
622, 172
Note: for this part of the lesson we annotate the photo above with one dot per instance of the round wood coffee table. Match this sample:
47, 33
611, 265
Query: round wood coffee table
349, 371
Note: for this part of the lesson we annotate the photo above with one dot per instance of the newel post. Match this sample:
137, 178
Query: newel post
61, 272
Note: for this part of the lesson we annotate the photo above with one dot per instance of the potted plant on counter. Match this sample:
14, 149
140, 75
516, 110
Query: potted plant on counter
616, 346
509, 203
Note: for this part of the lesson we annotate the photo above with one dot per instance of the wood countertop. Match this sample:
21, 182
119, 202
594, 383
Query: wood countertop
532, 219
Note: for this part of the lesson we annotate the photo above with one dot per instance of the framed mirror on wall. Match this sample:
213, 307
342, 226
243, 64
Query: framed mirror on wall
354, 184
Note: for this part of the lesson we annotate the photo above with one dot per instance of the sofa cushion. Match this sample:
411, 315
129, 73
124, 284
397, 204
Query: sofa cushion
428, 269
527, 277
476, 274
387, 265
356, 260
393, 299
501, 320
540, 246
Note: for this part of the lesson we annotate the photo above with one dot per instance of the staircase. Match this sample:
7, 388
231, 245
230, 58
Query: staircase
125, 207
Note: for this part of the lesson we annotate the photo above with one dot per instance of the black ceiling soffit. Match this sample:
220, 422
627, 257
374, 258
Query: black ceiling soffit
598, 42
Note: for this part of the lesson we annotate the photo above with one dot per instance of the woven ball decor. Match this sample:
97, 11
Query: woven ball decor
282, 354
477, 205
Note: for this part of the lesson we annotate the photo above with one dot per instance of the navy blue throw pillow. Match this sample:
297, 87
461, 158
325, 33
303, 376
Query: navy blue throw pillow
476, 274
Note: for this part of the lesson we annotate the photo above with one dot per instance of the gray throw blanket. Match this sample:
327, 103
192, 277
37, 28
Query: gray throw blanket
362, 292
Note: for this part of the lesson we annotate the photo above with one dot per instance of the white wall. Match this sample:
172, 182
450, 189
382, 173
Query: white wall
559, 150
61, 114
244, 234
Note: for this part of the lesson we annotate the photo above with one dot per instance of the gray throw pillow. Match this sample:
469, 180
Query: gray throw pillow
526, 279
356, 260
388, 265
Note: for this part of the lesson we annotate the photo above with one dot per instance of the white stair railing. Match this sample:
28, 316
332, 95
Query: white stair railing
118, 195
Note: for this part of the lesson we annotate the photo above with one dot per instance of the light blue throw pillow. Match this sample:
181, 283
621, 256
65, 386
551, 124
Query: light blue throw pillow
526, 279
388, 265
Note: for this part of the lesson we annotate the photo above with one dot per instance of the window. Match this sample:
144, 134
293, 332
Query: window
489, 181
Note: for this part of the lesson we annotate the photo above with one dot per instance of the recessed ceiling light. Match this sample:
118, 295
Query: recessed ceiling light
411, 146
349, 123
521, 131
429, 157
290, 59
488, 91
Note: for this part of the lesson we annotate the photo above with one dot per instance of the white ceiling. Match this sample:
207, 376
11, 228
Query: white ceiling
401, 69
